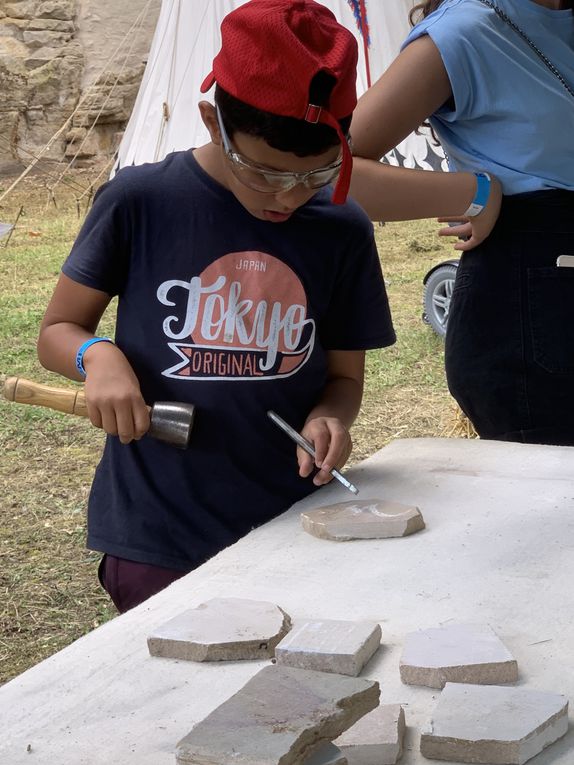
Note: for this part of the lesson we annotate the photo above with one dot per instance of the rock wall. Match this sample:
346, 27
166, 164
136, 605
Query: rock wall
56, 54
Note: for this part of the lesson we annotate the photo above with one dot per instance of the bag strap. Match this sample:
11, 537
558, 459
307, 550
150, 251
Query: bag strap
527, 39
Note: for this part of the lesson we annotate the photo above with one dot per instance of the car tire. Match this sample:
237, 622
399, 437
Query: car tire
437, 297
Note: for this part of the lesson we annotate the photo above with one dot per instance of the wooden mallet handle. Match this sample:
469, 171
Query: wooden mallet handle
24, 391
171, 421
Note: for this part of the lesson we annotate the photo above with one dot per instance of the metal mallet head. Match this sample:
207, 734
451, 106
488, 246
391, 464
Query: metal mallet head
171, 422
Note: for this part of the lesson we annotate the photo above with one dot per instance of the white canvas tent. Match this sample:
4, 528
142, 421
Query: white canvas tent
4, 229
165, 117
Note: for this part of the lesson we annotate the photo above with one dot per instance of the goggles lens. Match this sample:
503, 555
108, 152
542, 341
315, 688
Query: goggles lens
269, 181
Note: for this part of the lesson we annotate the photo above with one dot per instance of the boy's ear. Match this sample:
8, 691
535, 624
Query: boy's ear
209, 119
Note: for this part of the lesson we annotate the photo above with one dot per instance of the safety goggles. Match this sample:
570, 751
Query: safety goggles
266, 181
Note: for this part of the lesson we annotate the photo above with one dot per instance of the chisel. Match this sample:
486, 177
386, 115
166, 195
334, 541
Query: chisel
308, 447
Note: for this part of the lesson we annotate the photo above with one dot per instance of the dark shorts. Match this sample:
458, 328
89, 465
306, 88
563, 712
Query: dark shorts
129, 583
510, 338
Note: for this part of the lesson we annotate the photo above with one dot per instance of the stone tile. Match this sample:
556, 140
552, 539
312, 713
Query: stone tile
328, 755
376, 739
282, 715
456, 653
363, 519
330, 646
222, 629
493, 724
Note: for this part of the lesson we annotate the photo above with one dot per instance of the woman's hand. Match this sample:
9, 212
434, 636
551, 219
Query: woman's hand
473, 231
332, 443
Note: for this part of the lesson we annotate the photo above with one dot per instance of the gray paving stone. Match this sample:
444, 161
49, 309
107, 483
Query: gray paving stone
456, 653
282, 716
376, 739
363, 519
495, 725
222, 629
332, 645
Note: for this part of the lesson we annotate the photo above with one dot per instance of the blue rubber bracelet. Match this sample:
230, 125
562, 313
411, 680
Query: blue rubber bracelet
84, 347
481, 196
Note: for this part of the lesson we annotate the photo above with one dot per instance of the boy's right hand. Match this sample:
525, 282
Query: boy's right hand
113, 395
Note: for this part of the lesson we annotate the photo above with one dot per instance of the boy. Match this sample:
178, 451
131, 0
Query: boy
242, 288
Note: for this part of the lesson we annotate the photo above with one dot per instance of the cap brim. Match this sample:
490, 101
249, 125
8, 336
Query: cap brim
207, 84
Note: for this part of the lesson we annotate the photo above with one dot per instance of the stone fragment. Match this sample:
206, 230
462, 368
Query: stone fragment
45, 38
222, 629
363, 519
330, 646
21, 9
456, 653
13, 28
327, 755
51, 24
493, 724
376, 739
282, 715
57, 9
86, 147
39, 57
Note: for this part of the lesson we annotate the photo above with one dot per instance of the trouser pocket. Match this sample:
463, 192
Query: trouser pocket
551, 314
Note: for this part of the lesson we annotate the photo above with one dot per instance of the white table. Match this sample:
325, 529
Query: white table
498, 549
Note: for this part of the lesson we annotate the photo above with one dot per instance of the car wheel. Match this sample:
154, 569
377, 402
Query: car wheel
437, 297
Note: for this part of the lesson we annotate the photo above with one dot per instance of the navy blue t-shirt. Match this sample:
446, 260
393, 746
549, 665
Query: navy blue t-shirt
235, 315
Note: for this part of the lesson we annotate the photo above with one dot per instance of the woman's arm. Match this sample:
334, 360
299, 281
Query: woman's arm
414, 86
397, 193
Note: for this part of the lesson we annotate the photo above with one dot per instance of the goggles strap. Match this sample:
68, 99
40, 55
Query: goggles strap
344, 180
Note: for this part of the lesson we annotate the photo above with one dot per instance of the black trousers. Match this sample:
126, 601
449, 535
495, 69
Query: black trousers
510, 337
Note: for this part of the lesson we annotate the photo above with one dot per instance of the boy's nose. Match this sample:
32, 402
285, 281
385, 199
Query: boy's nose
295, 197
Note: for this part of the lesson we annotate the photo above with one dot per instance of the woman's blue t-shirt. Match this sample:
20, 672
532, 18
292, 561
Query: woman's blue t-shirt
510, 115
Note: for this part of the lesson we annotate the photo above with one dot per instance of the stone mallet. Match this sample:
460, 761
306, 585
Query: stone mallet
171, 421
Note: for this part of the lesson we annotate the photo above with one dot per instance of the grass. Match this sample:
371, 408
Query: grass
49, 595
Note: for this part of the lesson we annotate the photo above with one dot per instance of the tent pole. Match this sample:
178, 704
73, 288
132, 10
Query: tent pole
365, 36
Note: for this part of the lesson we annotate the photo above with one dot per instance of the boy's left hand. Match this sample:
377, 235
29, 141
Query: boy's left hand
332, 443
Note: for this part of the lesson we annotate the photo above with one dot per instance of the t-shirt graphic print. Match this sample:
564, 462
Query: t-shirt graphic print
244, 318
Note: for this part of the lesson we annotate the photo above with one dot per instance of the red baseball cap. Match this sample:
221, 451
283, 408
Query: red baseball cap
271, 51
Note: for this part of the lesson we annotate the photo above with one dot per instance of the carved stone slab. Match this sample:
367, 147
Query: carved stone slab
328, 755
493, 724
376, 739
222, 629
282, 715
456, 653
330, 646
362, 519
